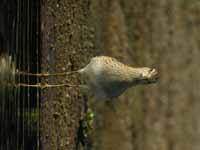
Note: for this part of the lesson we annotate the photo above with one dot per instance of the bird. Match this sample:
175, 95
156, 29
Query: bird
107, 78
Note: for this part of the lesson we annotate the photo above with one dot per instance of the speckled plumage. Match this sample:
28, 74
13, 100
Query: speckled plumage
108, 78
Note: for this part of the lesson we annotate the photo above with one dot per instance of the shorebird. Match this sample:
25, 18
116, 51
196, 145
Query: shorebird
106, 77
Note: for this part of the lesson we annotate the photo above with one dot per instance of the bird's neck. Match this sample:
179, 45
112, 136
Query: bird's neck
130, 77
133, 73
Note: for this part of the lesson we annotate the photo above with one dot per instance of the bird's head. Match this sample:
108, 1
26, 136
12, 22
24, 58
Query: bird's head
147, 75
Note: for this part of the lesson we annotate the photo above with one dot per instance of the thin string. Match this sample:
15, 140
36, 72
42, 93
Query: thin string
24, 8
37, 36
18, 78
28, 48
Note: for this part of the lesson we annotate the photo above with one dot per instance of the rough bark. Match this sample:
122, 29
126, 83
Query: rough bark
66, 45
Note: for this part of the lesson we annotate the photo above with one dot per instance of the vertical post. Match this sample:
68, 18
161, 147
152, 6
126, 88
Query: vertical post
64, 32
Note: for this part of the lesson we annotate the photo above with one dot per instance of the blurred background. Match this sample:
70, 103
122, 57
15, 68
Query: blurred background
64, 35
19, 50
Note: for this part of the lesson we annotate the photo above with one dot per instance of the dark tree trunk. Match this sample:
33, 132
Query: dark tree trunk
66, 46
